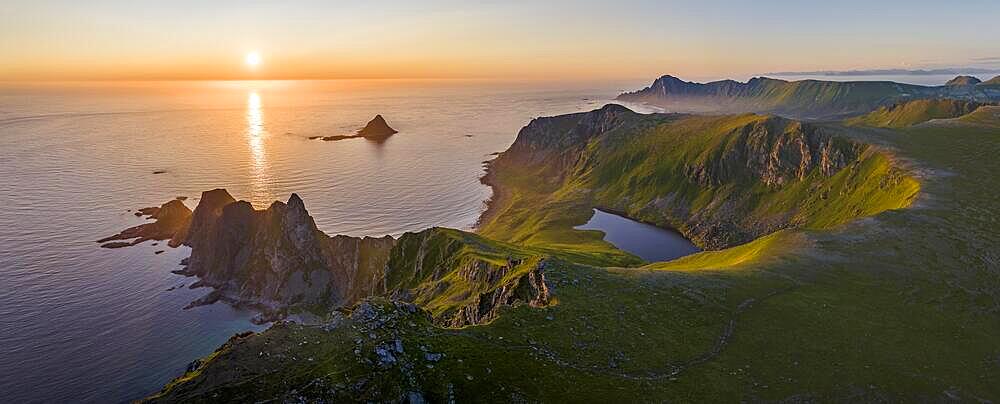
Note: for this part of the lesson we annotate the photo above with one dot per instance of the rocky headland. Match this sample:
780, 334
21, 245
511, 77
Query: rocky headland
720, 181
277, 261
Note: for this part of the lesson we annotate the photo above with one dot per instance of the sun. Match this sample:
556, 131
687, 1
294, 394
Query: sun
252, 59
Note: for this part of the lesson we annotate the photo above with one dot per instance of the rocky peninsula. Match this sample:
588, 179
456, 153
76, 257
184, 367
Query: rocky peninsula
277, 261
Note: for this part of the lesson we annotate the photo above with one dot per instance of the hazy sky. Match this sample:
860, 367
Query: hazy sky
42, 39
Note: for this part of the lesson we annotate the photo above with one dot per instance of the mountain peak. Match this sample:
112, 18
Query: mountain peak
667, 77
295, 201
963, 81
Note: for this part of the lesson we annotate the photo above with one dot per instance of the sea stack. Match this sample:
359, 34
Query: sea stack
377, 129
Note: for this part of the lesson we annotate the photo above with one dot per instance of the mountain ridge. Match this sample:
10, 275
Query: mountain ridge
801, 99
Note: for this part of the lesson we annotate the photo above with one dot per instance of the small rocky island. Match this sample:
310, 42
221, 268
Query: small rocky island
376, 130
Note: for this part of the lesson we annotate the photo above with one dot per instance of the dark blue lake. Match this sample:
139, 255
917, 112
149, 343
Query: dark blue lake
646, 241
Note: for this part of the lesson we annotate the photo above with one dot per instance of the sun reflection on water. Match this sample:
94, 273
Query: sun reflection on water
260, 179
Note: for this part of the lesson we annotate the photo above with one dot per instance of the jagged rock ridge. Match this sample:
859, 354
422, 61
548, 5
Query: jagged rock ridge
275, 259
270, 259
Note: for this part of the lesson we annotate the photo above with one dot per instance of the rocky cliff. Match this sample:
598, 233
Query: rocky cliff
462, 278
557, 142
772, 151
171, 222
276, 259
271, 259
277, 256
721, 181
377, 129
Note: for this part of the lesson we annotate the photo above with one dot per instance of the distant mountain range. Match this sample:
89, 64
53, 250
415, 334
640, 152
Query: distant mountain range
891, 72
802, 99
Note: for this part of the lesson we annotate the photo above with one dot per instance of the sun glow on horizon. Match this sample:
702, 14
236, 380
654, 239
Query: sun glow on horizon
252, 59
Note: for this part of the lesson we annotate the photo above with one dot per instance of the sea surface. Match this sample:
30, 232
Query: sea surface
651, 243
80, 323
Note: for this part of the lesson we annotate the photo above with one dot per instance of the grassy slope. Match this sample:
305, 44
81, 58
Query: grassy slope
438, 264
914, 112
830, 96
810, 99
986, 117
802, 99
899, 307
631, 171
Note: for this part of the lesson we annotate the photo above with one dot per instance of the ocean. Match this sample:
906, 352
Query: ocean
80, 323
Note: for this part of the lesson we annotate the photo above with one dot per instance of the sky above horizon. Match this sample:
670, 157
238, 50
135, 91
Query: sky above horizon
185, 39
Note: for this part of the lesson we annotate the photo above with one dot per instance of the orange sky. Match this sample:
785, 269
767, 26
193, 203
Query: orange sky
60, 40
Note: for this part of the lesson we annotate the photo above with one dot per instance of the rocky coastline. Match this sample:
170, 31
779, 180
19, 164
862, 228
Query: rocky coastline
277, 262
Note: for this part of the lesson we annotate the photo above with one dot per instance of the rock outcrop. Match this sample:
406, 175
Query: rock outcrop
203, 218
276, 259
529, 288
556, 142
171, 219
377, 130
464, 279
775, 152
271, 259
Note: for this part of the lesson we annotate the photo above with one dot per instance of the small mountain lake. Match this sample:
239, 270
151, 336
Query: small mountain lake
646, 241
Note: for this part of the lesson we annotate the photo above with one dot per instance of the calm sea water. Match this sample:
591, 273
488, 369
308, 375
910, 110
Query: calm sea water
81, 323
646, 241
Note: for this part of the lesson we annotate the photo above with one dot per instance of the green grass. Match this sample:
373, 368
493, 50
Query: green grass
876, 304
734, 257
914, 112
812, 99
446, 269
645, 174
